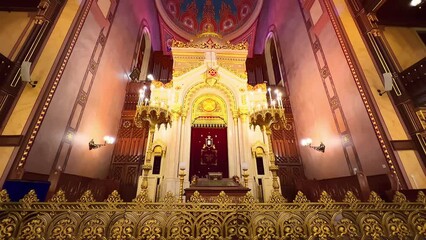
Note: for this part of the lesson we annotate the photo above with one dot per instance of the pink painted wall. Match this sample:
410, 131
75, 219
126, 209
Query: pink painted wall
311, 109
146, 10
102, 111
45, 148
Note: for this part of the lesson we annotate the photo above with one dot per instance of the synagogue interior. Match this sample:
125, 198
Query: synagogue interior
212, 119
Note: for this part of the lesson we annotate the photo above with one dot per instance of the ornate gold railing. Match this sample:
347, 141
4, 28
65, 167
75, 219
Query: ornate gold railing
221, 219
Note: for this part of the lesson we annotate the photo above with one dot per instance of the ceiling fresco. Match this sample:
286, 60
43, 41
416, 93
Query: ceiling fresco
221, 16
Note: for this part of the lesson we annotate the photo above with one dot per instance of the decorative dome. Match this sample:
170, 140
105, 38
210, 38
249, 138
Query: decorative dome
228, 18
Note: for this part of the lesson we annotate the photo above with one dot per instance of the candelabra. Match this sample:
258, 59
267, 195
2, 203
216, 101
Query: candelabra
244, 167
182, 167
264, 118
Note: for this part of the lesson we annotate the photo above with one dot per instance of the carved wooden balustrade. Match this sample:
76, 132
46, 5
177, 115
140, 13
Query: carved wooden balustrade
221, 219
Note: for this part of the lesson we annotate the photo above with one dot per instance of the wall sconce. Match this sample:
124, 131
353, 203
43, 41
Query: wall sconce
308, 142
107, 139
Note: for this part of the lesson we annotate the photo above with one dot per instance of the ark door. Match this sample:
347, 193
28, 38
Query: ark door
209, 151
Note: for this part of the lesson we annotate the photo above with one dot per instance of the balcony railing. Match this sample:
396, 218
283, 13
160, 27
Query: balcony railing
220, 219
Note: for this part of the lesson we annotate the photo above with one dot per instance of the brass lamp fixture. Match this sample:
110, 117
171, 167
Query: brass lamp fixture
107, 140
182, 167
307, 142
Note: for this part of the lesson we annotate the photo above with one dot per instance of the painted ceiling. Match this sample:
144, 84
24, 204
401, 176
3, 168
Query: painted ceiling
221, 16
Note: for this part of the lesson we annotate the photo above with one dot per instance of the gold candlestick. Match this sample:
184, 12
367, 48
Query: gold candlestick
245, 176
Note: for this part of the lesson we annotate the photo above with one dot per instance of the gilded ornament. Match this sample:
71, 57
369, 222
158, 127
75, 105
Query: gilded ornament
63, 229
266, 229
398, 228
346, 228
300, 198
249, 199
114, 197
122, 229
350, 198
321, 229
4, 196
293, 228
33, 229
399, 197
170, 198
7, 227
30, 197
87, 197
94, 229
210, 45
375, 198
151, 229
59, 197
421, 197
142, 197
222, 198
276, 198
372, 228
197, 198
325, 198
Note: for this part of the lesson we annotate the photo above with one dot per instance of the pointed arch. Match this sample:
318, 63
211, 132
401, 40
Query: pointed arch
273, 58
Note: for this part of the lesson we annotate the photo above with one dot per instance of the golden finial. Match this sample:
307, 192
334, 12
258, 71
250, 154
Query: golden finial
4, 196
421, 197
249, 198
399, 197
276, 198
87, 197
114, 197
30, 197
58, 197
222, 198
325, 198
169, 198
350, 198
142, 197
300, 198
375, 198
197, 198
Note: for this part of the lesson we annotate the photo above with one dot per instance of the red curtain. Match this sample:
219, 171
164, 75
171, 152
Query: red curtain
198, 139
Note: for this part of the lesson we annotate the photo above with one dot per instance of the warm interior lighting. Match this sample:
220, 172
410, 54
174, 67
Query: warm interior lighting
182, 166
415, 3
244, 166
307, 142
107, 139
150, 77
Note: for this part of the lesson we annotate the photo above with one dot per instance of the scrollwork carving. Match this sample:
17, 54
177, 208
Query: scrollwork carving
4, 196
300, 198
114, 197
59, 197
87, 197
